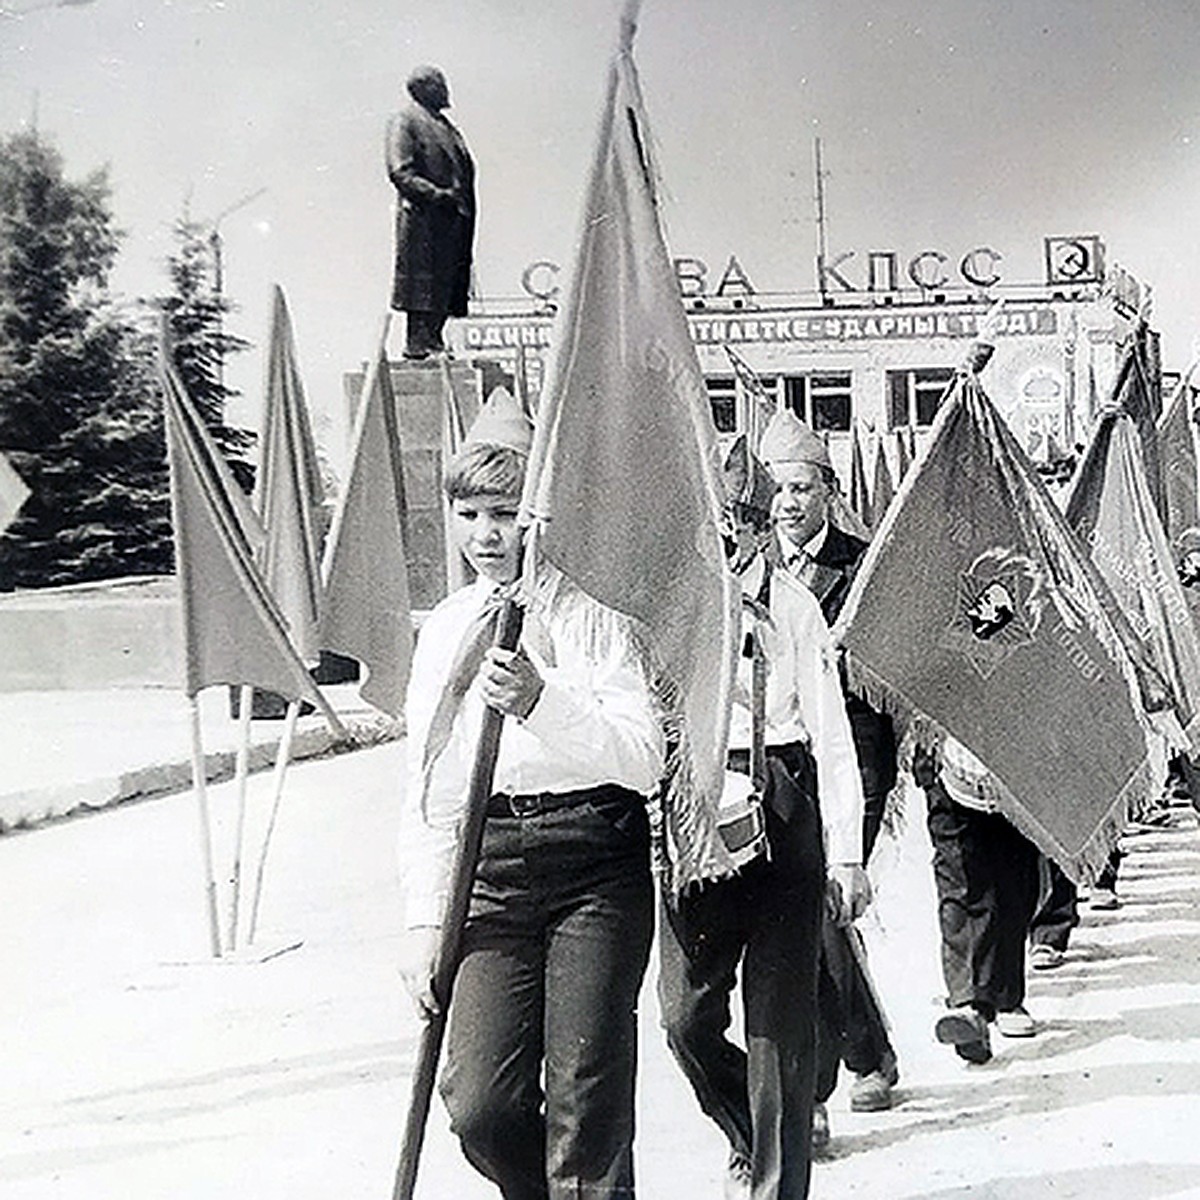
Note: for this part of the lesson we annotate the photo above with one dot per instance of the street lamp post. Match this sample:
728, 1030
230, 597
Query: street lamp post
217, 246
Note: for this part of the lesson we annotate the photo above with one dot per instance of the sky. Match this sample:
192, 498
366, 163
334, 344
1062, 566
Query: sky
945, 125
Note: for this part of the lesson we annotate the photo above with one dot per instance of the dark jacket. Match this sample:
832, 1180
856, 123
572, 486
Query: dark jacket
835, 565
431, 169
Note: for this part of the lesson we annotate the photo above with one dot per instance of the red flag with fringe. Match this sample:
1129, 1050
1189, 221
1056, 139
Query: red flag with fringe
977, 615
623, 492
1112, 510
1177, 453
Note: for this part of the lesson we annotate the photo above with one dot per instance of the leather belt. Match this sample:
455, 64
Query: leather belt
795, 756
535, 804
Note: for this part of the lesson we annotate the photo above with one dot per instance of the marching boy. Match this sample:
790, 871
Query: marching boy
768, 916
541, 1045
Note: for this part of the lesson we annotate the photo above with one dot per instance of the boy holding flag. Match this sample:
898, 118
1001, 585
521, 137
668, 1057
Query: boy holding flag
541, 1049
768, 916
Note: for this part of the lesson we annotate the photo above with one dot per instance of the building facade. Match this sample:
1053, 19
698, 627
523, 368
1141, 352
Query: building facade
878, 358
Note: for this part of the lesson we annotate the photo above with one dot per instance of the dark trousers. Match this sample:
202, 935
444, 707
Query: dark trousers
768, 919
423, 333
987, 878
850, 1025
1057, 910
557, 943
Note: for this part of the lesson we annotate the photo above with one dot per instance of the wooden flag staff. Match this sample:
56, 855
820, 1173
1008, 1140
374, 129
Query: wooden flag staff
282, 758
198, 786
241, 778
449, 950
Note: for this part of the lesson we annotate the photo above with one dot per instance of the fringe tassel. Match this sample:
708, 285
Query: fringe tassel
687, 846
919, 731
692, 850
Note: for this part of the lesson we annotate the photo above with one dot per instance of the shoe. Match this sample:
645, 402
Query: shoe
1104, 898
870, 1093
889, 1068
1015, 1023
965, 1029
820, 1128
1045, 958
737, 1177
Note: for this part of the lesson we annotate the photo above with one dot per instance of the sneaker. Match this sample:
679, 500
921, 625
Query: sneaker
1015, 1023
965, 1029
820, 1128
870, 1093
1045, 958
737, 1177
1104, 898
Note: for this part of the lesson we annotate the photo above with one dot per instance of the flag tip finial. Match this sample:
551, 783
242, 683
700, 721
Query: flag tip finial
629, 19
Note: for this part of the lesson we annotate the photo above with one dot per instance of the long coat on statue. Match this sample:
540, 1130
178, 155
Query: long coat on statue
431, 169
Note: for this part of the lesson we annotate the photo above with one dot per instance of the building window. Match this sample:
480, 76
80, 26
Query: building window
822, 399
915, 396
722, 398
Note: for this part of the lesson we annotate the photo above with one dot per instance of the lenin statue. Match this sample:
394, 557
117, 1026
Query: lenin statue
431, 169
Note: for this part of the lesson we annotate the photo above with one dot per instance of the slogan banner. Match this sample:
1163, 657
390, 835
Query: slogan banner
785, 325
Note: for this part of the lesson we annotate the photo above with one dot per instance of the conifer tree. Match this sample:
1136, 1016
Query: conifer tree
78, 413
196, 310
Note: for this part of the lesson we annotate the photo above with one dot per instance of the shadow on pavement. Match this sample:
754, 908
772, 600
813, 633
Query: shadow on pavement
1139, 1179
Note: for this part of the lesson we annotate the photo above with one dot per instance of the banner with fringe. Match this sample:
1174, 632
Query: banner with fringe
623, 493
1177, 453
977, 615
1111, 509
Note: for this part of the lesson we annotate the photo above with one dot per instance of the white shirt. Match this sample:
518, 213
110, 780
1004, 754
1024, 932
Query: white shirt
788, 549
594, 723
804, 703
965, 778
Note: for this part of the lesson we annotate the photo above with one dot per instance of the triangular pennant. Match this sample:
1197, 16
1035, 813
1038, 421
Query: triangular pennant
289, 492
857, 498
366, 612
884, 489
903, 456
454, 431
233, 632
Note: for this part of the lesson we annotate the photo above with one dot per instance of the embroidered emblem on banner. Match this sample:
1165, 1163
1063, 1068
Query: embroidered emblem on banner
1001, 597
1188, 565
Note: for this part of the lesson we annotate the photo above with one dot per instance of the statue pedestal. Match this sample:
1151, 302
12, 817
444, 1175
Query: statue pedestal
419, 388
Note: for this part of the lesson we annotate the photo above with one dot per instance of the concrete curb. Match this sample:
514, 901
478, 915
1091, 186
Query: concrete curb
25, 810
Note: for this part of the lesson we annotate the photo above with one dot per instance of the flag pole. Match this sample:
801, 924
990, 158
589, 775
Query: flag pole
449, 949
241, 775
198, 786
282, 758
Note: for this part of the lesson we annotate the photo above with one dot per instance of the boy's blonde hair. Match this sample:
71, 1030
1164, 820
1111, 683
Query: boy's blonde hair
485, 469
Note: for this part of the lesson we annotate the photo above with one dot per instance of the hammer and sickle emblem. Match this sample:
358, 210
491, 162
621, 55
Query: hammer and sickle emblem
1074, 259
